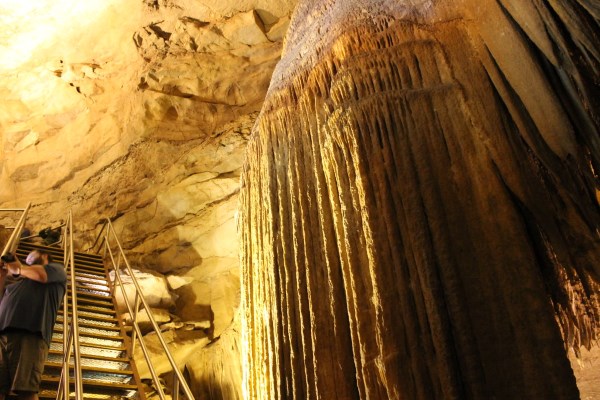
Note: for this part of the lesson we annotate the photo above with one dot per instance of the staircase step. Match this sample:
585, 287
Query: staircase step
102, 316
94, 296
90, 349
58, 354
87, 329
88, 362
93, 339
93, 329
85, 299
90, 285
90, 280
87, 275
99, 270
106, 381
30, 246
52, 368
90, 292
93, 394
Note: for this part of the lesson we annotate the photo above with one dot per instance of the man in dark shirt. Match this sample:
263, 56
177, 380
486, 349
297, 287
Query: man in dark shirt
28, 311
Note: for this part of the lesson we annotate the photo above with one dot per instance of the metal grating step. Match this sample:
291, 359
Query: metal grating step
88, 280
108, 381
90, 330
100, 395
58, 336
96, 322
97, 376
90, 292
28, 246
92, 373
96, 311
85, 275
91, 350
79, 269
90, 289
91, 362
92, 299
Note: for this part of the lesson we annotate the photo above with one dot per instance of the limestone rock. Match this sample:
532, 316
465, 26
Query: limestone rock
277, 32
153, 285
140, 111
418, 211
175, 281
160, 316
182, 347
214, 293
213, 370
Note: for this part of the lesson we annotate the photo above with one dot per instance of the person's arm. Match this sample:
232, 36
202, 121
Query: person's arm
34, 272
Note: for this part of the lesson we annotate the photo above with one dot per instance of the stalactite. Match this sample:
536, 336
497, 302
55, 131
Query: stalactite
414, 223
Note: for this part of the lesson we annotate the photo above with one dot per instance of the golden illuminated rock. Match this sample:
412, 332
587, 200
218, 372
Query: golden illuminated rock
418, 201
418, 213
140, 111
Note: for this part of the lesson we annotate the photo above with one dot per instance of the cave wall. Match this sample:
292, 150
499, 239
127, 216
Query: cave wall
140, 111
418, 206
392, 209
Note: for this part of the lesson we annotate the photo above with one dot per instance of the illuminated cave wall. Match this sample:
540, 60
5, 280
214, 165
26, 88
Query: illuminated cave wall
419, 188
140, 111
419, 216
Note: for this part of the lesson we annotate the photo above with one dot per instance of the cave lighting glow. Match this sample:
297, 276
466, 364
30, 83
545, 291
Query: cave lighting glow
27, 25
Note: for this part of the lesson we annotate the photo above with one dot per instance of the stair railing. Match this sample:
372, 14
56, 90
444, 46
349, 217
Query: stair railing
70, 327
99, 242
15, 237
179, 380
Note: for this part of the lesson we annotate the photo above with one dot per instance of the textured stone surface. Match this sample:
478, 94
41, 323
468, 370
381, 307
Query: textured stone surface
418, 202
153, 285
139, 110
587, 370
182, 345
216, 367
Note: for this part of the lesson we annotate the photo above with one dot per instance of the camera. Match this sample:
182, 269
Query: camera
8, 258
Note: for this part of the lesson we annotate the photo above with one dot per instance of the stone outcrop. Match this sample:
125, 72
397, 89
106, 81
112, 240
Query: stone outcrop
419, 216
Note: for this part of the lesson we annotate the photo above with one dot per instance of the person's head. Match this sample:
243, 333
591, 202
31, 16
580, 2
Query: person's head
40, 257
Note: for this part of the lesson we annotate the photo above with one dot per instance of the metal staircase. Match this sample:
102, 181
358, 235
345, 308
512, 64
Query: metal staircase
107, 371
91, 354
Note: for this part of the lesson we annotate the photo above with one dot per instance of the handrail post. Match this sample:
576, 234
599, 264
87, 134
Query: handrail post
74, 316
136, 330
134, 319
178, 376
175, 395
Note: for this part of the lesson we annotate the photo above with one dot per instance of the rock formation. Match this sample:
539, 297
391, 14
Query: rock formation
419, 214
419, 197
140, 110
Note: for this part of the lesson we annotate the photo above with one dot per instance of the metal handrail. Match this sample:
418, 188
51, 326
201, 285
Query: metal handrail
70, 339
15, 237
139, 297
100, 235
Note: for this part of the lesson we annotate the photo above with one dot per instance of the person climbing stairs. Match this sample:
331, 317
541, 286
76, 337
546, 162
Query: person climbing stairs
107, 370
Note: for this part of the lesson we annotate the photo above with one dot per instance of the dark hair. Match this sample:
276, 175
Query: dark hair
44, 252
